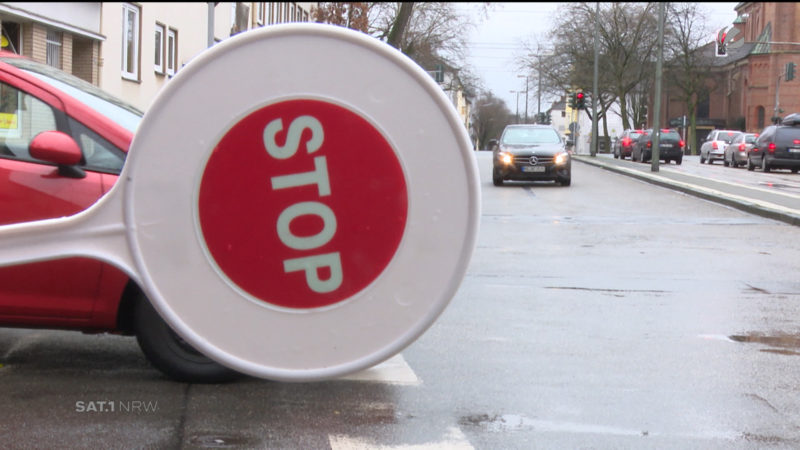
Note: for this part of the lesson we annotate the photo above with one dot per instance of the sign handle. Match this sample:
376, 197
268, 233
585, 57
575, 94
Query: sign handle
98, 232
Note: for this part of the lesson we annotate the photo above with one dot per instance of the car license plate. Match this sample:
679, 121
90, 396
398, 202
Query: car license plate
794, 150
533, 168
665, 145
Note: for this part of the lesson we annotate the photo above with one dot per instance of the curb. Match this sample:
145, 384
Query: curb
763, 209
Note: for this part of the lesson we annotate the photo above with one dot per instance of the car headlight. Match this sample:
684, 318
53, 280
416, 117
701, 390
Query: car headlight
505, 158
561, 158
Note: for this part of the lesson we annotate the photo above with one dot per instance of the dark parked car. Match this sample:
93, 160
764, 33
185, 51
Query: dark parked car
530, 152
623, 147
670, 147
713, 148
736, 152
777, 147
63, 143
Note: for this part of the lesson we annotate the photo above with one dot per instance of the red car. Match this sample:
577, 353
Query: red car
40, 180
623, 147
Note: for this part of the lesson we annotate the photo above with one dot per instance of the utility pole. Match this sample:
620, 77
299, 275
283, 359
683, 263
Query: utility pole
526, 95
777, 100
657, 101
517, 115
593, 150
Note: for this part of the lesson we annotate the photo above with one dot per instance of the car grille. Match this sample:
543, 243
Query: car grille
521, 160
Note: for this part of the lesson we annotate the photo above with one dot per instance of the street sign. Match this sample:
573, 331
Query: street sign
300, 202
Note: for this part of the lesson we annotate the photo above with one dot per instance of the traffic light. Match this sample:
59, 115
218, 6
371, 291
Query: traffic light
722, 43
580, 100
790, 71
573, 100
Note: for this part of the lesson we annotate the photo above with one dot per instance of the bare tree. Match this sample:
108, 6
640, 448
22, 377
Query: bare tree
688, 66
627, 43
489, 116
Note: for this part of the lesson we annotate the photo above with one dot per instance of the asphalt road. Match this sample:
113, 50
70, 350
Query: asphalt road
614, 313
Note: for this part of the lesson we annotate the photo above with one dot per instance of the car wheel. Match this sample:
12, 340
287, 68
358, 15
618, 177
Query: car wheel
750, 166
616, 155
679, 161
795, 170
170, 354
497, 179
725, 163
565, 181
702, 159
764, 166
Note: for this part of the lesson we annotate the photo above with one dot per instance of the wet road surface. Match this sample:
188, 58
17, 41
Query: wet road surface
609, 314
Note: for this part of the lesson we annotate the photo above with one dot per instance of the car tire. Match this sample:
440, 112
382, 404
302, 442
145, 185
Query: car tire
616, 155
702, 159
726, 163
750, 166
764, 166
170, 354
679, 161
565, 181
497, 179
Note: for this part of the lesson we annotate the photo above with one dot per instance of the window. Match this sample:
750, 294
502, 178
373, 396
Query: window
130, 41
172, 51
53, 43
22, 118
760, 113
159, 49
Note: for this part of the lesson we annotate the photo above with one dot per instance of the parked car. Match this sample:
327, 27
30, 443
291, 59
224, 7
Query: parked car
777, 147
713, 148
670, 147
531, 152
623, 147
736, 151
42, 178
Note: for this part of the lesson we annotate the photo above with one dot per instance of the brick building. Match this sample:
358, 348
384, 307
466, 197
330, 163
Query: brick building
748, 86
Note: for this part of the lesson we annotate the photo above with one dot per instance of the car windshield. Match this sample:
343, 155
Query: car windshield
530, 136
726, 136
115, 109
750, 138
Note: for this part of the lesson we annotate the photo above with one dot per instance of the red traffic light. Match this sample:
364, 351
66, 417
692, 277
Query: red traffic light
580, 95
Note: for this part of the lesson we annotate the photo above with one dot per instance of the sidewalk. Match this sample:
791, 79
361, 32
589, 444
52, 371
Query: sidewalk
773, 205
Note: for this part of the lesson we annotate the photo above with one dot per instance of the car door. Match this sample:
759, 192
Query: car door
32, 189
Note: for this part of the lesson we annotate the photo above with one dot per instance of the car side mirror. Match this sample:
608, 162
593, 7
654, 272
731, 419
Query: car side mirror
58, 148
492, 144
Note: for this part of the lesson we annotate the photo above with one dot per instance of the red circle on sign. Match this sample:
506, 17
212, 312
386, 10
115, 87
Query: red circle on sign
302, 204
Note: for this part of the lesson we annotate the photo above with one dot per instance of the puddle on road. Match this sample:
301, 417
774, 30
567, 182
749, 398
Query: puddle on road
786, 344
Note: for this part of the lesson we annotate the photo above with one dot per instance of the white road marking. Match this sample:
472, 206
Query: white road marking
454, 439
394, 370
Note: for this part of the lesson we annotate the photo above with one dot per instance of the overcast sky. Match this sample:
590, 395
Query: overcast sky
497, 40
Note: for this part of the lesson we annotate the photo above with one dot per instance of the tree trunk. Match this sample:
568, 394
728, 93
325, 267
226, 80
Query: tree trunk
395, 38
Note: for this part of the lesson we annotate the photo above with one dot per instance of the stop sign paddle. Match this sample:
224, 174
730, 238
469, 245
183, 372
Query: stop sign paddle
300, 202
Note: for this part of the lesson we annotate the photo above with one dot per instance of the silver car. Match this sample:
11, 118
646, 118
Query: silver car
736, 151
714, 147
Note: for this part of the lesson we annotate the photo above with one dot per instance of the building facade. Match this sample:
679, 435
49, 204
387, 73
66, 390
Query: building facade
747, 86
131, 49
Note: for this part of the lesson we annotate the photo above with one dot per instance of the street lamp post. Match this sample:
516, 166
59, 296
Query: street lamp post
526, 95
538, 57
517, 115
